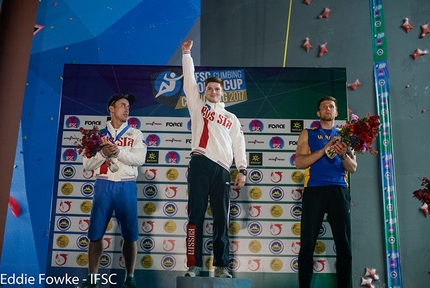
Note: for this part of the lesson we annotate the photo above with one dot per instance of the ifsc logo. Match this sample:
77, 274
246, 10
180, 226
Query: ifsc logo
167, 86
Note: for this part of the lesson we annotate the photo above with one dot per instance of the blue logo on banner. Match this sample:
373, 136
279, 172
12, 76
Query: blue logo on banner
87, 189
168, 262
167, 84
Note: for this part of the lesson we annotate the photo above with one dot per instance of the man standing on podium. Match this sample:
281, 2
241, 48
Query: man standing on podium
216, 136
326, 192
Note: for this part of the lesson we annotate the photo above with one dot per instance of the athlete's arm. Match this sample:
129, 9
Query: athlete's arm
304, 158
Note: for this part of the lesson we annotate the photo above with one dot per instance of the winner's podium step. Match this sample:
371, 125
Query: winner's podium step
212, 282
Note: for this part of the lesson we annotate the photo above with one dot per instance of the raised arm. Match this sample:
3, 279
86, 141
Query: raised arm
187, 45
191, 88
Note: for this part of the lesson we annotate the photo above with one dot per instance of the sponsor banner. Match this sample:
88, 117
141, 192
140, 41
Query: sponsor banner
70, 137
168, 140
159, 142
174, 157
276, 246
176, 245
76, 172
275, 176
183, 141
172, 262
182, 157
176, 191
68, 206
163, 209
75, 189
163, 244
279, 126
272, 126
74, 122
109, 260
238, 227
267, 193
323, 247
279, 264
165, 124
259, 211
275, 142
279, 159
73, 241
273, 228
157, 226
177, 227
178, 174
152, 174
166, 192
183, 124
268, 206
80, 224
233, 81
387, 174
146, 174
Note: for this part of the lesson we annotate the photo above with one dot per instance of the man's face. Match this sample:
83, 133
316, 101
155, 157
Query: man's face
120, 109
327, 110
214, 92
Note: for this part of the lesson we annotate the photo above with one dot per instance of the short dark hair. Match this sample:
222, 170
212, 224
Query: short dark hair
331, 98
216, 80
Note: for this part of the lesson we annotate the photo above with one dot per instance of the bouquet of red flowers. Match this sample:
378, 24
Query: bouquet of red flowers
90, 141
359, 133
423, 194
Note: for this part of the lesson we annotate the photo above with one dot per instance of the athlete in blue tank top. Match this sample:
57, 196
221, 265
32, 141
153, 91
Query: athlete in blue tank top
325, 171
326, 192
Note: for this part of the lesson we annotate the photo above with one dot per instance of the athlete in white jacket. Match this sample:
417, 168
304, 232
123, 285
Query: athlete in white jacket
115, 188
217, 138
131, 154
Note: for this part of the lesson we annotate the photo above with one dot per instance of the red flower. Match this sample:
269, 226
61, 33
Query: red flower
423, 194
364, 137
359, 133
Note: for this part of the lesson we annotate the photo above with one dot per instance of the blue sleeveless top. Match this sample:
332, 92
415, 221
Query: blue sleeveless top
325, 171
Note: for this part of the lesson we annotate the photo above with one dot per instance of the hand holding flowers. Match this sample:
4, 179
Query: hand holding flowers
360, 133
92, 141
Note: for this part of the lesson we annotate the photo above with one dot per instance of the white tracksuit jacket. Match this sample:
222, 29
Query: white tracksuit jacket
216, 133
132, 153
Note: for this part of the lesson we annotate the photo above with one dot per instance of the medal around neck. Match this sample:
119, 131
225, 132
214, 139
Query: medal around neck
113, 167
330, 153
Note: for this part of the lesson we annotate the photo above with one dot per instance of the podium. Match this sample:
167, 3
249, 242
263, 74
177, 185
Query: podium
212, 282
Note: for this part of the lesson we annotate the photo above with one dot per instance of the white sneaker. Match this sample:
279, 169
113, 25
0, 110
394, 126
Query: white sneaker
222, 272
193, 271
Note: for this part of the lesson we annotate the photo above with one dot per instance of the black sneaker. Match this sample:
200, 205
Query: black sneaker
129, 282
